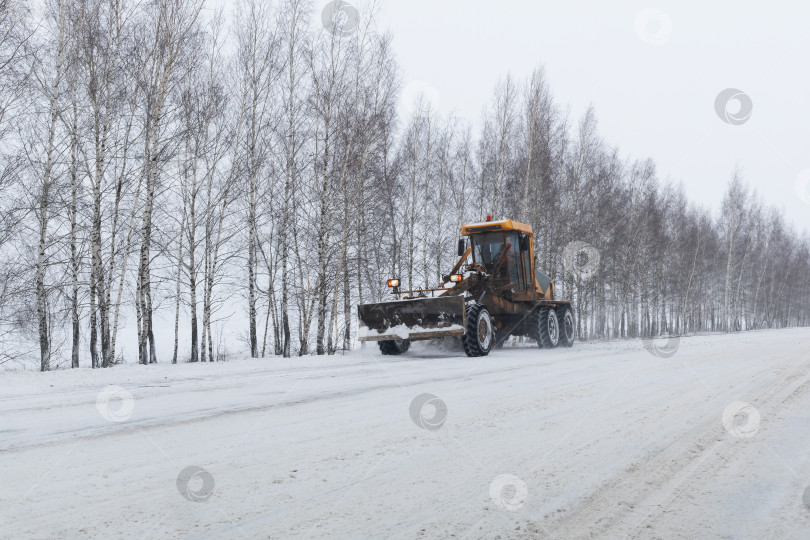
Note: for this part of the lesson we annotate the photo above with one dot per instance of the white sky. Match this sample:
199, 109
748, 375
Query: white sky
651, 100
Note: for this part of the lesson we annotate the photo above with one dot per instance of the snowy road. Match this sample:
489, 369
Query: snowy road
602, 440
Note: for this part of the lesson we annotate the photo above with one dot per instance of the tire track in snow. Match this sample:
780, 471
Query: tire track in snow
656, 480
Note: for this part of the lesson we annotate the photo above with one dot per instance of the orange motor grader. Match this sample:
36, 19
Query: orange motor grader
493, 292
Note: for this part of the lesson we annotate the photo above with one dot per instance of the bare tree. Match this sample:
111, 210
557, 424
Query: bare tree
259, 65
43, 155
294, 37
170, 31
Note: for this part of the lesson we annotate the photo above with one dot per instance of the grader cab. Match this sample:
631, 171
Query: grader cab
493, 292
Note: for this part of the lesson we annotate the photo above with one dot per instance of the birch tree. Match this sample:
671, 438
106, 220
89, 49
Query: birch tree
259, 66
170, 31
43, 156
293, 129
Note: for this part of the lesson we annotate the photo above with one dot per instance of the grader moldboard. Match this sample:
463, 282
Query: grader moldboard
498, 294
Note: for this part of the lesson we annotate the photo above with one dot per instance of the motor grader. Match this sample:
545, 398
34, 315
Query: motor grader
493, 292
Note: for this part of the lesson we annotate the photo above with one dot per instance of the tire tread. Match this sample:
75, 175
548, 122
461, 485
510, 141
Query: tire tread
539, 327
391, 347
470, 340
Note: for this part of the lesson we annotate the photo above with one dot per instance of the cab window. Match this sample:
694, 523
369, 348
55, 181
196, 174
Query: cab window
486, 250
487, 247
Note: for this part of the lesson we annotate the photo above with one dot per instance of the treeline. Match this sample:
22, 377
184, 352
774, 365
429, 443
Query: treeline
632, 253
154, 161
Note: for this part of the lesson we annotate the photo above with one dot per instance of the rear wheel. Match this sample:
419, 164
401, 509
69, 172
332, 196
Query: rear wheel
394, 346
545, 327
479, 335
566, 318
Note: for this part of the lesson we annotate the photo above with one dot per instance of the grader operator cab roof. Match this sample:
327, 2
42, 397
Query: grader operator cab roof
501, 225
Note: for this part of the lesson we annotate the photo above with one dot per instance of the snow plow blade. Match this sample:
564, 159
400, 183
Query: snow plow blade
421, 318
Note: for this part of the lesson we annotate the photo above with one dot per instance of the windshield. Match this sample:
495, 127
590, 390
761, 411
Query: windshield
487, 248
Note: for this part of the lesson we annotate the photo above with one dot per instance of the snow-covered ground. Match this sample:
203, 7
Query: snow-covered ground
602, 440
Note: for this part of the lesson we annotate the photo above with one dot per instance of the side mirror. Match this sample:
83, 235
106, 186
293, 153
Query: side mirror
524, 242
461, 247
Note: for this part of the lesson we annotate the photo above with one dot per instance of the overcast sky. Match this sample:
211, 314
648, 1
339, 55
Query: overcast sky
652, 70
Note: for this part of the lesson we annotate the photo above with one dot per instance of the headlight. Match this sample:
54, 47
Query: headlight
393, 283
456, 278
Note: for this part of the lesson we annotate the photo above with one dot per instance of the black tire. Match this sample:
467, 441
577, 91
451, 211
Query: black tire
394, 347
479, 336
545, 327
567, 330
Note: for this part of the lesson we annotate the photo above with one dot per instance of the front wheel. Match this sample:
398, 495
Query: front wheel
394, 346
479, 335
